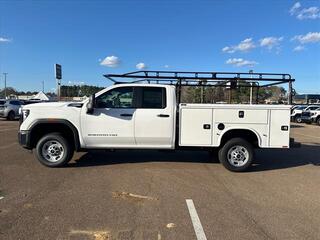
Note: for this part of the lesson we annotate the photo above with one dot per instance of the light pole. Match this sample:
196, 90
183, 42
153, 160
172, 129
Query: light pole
5, 85
251, 71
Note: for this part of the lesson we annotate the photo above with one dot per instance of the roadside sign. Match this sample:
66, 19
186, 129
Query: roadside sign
58, 71
58, 75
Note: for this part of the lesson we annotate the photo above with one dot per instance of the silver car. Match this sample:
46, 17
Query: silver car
9, 108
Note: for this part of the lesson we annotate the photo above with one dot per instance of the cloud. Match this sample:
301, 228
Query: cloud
239, 62
141, 66
304, 13
244, 46
3, 39
309, 13
295, 8
270, 42
298, 48
166, 66
110, 61
228, 49
310, 37
76, 83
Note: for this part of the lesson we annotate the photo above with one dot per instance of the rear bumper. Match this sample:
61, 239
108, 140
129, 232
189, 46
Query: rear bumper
294, 144
24, 139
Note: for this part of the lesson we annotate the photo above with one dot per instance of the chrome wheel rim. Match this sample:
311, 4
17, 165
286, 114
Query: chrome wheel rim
52, 151
238, 156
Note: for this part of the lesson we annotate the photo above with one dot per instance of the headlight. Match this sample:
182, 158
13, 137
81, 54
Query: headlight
25, 114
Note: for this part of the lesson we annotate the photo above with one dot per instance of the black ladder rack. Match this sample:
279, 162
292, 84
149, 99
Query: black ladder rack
207, 79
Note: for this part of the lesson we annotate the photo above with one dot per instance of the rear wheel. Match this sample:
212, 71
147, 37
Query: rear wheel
236, 155
318, 121
11, 116
53, 150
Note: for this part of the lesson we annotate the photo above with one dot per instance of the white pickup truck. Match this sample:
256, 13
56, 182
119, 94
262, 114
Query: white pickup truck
147, 116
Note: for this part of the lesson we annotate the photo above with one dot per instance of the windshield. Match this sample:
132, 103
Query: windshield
300, 108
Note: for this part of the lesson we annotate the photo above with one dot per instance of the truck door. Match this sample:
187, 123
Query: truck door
112, 122
154, 118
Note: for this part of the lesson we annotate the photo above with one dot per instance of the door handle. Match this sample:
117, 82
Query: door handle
163, 115
126, 115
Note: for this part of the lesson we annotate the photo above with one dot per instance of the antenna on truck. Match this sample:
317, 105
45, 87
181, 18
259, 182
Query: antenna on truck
207, 79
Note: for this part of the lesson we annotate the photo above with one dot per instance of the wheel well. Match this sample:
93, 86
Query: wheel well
41, 129
11, 111
246, 134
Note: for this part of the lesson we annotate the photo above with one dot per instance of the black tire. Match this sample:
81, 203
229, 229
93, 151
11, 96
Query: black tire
11, 116
58, 143
298, 119
240, 147
318, 121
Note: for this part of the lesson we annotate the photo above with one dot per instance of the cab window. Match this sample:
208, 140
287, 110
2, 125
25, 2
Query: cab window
121, 97
153, 97
15, 103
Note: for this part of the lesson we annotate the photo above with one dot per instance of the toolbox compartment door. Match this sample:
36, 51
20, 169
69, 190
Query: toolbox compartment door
279, 129
195, 127
247, 116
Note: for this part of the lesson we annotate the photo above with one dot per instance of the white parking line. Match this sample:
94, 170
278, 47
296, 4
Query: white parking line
195, 221
1, 197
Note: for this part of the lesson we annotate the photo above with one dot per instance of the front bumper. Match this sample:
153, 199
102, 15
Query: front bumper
24, 139
3, 113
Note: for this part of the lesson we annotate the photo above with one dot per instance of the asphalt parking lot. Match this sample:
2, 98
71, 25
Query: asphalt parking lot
142, 195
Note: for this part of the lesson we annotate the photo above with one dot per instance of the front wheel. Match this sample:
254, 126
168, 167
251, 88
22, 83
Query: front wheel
11, 116
318, 121
298, 119
236, 155
53, 150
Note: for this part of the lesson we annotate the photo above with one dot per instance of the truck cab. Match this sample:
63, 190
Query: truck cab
131, 116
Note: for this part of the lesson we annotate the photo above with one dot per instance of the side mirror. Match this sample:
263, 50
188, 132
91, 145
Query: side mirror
91, 104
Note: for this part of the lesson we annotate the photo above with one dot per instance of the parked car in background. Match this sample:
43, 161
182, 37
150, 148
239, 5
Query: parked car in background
297, 113
315, 116
312, 116
298, 106
9, 108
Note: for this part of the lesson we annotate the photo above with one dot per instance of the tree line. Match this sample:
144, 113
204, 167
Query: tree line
78, 90
13, 91
241, 94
